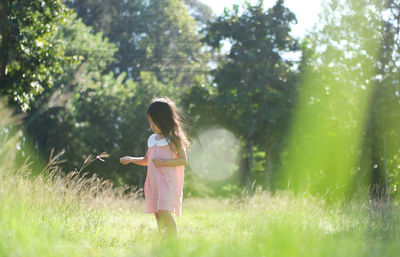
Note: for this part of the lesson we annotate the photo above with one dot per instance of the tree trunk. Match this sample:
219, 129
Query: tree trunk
3, 64
269, 161
5, 38
268, 169
377, 172
247, 164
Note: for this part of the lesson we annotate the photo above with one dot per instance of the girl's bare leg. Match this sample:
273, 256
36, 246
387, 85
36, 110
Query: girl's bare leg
158, 221
167, 222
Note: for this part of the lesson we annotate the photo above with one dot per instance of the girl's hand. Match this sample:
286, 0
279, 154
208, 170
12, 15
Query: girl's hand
125, 160
158, 162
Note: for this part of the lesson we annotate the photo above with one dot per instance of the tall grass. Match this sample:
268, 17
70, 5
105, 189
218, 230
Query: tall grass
74, 215
56, 214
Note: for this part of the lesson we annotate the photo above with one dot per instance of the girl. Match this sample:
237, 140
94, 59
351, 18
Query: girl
165, 160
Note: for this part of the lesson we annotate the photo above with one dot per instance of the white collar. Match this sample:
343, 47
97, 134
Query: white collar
153, 141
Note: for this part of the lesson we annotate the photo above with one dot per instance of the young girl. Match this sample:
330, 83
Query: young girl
165, 160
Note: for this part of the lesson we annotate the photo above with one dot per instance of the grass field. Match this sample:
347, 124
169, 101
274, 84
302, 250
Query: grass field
53, 215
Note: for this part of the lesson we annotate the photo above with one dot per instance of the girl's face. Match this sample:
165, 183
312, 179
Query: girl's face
153, 126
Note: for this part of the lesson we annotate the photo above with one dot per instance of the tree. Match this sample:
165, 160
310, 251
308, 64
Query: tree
88, 111
202, 13
29, 57
50, 122
255, 83
158, 36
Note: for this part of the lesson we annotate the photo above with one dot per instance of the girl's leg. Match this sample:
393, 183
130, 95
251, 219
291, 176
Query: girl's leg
167, 223
158, 221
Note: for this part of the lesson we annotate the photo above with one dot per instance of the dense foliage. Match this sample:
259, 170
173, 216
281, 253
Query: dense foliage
83, 73
30, 57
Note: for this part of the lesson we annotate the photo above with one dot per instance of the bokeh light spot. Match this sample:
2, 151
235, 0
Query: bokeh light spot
214, 154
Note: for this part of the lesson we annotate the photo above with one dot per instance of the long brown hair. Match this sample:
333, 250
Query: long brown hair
163, 113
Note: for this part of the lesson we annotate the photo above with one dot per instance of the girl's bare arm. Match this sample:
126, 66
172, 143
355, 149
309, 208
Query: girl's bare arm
142, 161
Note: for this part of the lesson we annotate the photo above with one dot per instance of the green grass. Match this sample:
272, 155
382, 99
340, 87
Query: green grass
53, 215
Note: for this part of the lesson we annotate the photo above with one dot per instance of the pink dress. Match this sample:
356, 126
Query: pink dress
163, 188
